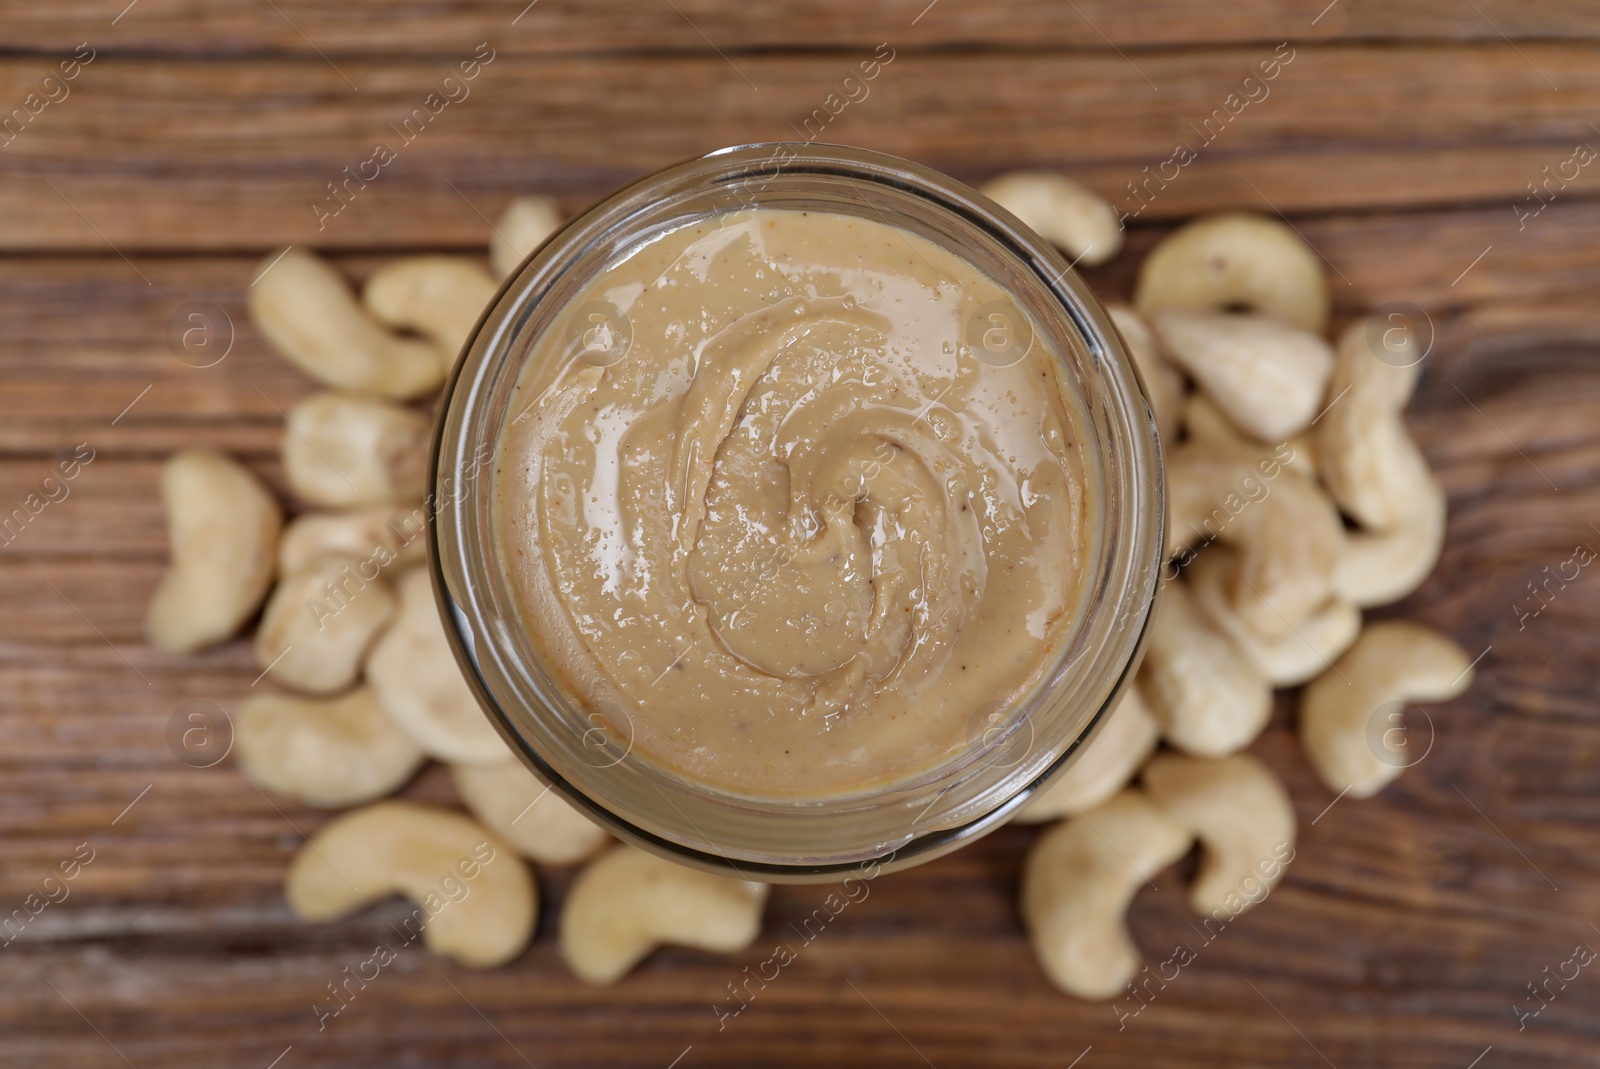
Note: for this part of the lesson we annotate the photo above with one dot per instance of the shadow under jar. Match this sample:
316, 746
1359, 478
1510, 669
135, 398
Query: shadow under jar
796, 511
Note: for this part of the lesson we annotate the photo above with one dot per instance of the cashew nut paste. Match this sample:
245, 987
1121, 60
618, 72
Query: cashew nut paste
766, 512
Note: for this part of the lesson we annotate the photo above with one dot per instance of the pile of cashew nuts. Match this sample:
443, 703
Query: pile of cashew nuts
1297, 499
359, 687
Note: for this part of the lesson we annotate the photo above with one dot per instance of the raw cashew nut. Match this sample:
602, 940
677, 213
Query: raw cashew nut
419, 684
1379, 568
1077, 884
626, 903
439, 297
1238, 260
1289, 550
1061, 211
1109, 760
535, 820
306, 310
1203, 421
1266, 376
1212, 480
1358, 431
383, 533
343, 449
1285, 661
476, 901
333, 753
1376, 472
1207, 695
1350, 722
320, 622
1242, 816
1163, 385
222, 524
1288, 533
523, 228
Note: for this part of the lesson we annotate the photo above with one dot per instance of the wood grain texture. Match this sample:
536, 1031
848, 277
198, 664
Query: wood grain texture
1397, 141
147, 156
197, 27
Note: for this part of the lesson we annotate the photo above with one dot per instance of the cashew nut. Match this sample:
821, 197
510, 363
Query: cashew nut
1288, 533
1061, 211
333, 753
1350, 716
1242, 816
527, 222
1238, 260
320, 621
383, 533
626, 903
1379, 568
1208, 696
1109, 760
439, 297
419, 684
222, 525
306, 310
1078, 882
1286, 661
476, 900
1358, 431
1212, 479
1376, 472
343, 449
1266, 376
1203, 421
535, 820
1163, 385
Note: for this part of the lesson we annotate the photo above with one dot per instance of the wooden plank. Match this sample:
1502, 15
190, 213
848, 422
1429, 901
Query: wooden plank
417, 207
436, 27
906, 929
1468, 409
206, 181
136, 389
1531, 287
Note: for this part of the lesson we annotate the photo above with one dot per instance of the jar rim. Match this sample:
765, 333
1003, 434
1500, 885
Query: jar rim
760, 839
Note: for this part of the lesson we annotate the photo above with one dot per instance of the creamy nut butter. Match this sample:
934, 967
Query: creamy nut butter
796, 501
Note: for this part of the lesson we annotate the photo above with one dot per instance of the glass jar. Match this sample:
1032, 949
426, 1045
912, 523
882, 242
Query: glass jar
588, 759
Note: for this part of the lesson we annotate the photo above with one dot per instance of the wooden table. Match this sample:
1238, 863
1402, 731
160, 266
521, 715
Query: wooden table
1399, 139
